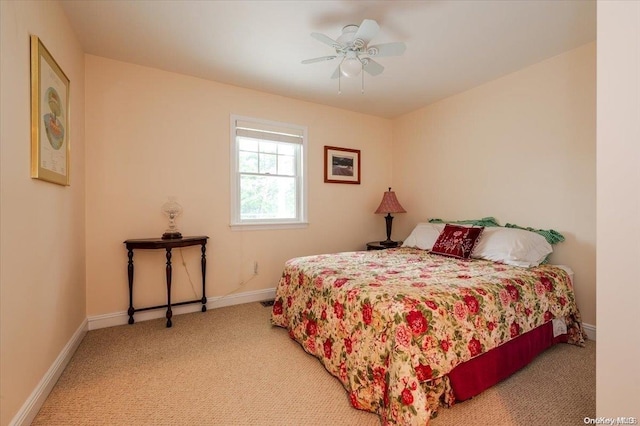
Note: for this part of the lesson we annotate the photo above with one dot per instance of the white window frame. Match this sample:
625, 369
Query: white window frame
270, 130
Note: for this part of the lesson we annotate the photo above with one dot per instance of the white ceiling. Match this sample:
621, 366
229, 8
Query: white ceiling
452, 45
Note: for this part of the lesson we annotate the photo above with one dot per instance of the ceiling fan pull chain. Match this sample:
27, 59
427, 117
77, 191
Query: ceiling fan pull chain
339, 85
362, 85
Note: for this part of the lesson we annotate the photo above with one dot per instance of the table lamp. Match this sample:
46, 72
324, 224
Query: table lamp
172, 210
388, 205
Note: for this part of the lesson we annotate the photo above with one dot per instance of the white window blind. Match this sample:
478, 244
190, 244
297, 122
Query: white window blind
264, 131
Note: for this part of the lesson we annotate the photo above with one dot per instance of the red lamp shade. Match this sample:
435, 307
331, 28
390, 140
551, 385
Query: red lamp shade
388, 205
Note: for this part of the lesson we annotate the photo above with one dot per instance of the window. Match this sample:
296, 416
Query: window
268, 185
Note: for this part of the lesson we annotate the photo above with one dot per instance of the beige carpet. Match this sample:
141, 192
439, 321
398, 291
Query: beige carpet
229, 366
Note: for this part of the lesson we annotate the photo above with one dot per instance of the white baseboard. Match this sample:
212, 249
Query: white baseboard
121, 318
590, 330
32, 405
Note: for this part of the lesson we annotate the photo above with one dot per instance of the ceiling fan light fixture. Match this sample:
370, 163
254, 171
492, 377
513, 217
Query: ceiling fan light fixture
355, 54
351, 67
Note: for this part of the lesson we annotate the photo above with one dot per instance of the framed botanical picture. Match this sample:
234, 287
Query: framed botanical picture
341, 165
50, 153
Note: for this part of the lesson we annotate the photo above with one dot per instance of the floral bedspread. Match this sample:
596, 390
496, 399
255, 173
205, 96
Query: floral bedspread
391, 324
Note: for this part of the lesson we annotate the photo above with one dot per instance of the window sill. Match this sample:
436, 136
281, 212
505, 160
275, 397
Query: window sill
268, 226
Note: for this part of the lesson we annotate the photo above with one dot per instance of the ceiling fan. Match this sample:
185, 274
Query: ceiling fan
352, 46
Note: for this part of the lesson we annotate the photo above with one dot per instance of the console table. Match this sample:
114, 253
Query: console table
168, 245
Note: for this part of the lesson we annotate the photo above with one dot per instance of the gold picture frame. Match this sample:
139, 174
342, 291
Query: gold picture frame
341, 165
50, 150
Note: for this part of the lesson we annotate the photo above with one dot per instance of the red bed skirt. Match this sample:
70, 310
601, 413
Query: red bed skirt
484, 371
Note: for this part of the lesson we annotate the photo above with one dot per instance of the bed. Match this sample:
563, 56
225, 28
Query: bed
406, 330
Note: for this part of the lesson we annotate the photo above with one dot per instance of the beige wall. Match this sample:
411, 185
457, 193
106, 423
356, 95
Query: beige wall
618, 149
42, 253
520, 148
153, 134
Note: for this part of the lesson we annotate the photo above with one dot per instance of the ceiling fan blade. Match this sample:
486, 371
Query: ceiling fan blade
321, 59
366, 31
325, 39
387, 49
373, 68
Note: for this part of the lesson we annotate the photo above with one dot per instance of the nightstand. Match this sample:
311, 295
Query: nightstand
375, 245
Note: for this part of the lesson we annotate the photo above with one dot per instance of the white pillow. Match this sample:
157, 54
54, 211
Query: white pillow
512, 246
424, 235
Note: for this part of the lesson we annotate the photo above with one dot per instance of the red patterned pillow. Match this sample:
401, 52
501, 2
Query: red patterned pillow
457, 241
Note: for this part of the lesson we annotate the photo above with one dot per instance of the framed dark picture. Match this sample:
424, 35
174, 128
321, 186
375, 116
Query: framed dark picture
50, 152
341, 165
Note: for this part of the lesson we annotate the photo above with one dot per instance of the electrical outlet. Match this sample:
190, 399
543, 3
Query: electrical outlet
255, 267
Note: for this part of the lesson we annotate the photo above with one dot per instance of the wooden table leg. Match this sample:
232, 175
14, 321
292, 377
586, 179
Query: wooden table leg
169, 313
203, 264
130, 274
